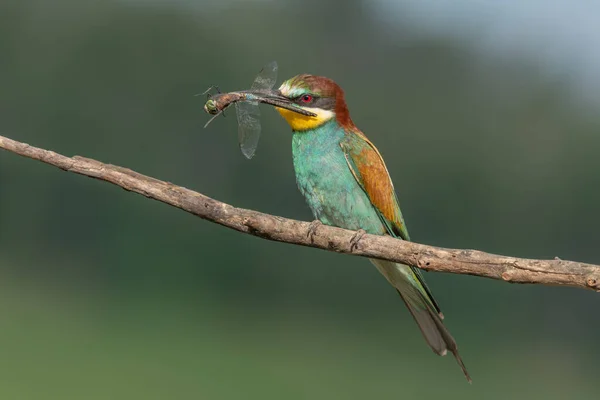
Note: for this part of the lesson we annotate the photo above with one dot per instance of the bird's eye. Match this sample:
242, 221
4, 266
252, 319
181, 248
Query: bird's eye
307, 98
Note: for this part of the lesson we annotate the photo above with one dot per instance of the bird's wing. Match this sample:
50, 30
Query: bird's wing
369, 170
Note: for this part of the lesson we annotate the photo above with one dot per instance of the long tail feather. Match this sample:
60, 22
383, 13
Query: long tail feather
423, 309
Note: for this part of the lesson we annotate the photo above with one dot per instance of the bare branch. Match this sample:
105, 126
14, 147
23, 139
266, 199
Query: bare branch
470, 262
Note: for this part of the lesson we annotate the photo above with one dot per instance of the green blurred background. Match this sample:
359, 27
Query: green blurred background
107, 295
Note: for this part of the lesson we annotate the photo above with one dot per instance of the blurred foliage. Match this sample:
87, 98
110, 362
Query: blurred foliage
106, 294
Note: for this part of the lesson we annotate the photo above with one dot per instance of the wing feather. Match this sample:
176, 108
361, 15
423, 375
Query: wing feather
369, 170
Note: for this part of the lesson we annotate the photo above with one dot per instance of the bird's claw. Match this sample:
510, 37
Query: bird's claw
312, 229
356, 238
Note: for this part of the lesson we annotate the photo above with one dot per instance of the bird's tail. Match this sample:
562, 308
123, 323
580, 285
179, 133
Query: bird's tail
422, 307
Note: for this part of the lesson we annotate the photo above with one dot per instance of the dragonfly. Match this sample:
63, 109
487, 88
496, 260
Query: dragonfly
246, 106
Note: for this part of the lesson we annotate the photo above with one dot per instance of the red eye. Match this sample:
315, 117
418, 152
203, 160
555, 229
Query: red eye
307, 98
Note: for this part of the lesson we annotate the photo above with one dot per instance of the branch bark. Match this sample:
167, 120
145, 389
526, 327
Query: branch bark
470, 262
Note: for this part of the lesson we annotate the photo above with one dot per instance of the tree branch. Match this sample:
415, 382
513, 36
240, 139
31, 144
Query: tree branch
470, 262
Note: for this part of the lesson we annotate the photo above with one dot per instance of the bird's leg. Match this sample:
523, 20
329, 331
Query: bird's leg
312, 229
356, 238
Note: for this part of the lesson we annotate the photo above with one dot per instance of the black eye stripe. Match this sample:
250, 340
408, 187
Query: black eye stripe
325, 103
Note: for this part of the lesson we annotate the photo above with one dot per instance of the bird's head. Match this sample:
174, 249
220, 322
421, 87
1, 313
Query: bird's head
318, 95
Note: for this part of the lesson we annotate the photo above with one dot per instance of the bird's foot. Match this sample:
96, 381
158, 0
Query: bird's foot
356, 238
312, 229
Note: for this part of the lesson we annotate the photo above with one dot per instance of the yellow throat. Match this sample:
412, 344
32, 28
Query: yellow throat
300, 122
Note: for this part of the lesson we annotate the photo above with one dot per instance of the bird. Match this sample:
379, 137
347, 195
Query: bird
346, 184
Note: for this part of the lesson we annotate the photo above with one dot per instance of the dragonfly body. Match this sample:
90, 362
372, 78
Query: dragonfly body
219, 102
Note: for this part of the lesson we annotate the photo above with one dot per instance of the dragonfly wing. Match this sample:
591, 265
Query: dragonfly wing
266, 78
248, 115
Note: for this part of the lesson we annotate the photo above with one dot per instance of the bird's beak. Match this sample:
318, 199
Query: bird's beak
276, 99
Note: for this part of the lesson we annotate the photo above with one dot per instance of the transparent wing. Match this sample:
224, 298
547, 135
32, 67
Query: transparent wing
248, 113
266, 78
248, 116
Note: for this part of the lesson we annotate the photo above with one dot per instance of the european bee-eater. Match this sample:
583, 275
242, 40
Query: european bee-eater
346, 184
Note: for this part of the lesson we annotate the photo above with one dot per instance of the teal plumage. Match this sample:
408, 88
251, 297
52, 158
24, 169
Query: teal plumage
327, 183
346, 184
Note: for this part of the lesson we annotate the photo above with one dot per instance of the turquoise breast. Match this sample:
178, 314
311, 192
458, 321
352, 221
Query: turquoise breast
325, 180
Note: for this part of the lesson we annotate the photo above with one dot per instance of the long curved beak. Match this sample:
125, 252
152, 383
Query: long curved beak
276, 99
